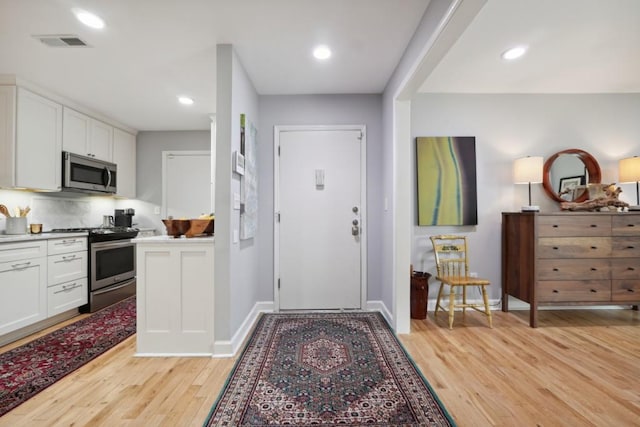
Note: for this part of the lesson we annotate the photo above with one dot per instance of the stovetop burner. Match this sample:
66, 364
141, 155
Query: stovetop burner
102, 233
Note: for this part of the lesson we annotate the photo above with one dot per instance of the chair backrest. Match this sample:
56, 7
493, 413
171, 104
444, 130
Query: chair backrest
451, 255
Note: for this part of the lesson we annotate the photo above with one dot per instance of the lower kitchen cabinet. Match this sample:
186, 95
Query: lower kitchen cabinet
175, 296
23, 285
67, 274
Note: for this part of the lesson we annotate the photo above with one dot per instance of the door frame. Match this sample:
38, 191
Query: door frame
277, 129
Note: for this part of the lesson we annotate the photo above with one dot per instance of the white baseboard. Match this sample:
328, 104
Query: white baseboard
382, 308
172, 355
230, 348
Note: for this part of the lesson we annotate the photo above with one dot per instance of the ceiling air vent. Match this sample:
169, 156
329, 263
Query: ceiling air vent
61, 40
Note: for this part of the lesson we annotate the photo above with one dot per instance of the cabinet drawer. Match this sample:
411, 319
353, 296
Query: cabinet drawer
66, 267
10, 252
573, 225
66, 245
625, 268
574, 247
574, 291
625, 225
574, 269
625, 290
625, 247
66, 296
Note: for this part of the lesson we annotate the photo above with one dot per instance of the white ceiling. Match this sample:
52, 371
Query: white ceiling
575, 46
151, 51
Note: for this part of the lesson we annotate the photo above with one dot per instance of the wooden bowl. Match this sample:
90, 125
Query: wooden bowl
200, 227
176, 227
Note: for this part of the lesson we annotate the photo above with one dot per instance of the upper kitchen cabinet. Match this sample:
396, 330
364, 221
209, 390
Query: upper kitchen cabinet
87, 136
124, 155
30, 140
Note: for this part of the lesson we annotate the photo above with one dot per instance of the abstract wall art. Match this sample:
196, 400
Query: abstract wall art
446, 174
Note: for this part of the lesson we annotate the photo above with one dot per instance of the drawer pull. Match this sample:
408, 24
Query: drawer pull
593, 291
66, 288
555, 291
555, 225
556, 269
593, 226
21, 265
630, 247
630, 290
594, 247
68, 241
631, 225
630, 268
555, 248
594, 269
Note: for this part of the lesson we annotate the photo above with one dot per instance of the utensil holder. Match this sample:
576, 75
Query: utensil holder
16, 225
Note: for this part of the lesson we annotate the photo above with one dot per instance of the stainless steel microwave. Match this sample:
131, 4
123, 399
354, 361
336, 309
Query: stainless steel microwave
87, 174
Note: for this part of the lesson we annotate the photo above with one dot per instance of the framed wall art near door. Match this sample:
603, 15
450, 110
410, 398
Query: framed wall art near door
446, 175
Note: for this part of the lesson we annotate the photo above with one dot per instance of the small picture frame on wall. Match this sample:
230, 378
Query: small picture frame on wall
238, 163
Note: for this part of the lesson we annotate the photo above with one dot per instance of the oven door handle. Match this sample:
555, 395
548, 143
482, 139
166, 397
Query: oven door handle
113, 288
115, 243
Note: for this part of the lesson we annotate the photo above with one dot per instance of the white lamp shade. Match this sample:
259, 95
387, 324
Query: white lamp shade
629, 170
527, 170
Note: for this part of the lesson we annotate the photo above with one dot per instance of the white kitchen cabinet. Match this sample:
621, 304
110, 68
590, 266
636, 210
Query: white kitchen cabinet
66, 274
30, 140
23, 284
124, 155
87, 136
175, 296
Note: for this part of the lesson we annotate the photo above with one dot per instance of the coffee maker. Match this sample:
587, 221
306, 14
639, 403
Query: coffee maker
123, 217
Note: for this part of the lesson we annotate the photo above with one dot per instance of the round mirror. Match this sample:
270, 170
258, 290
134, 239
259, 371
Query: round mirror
567, 173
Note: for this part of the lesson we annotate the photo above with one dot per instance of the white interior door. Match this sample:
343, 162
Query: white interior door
186, 184
319, 240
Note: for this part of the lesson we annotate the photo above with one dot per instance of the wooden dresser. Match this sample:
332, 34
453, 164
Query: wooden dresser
570, 258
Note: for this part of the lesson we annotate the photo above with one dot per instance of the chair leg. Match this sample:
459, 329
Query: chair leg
435, 313
464, 300
452, 301
487, 309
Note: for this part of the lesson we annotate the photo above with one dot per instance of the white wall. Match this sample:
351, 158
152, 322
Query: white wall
510, 126
236, 264
321, 110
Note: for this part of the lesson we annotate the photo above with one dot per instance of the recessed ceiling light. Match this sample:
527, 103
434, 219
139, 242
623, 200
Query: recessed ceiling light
89, 19
514, 52
185, 100
322, 52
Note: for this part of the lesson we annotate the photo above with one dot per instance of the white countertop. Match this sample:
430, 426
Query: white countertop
7, 238
174, 240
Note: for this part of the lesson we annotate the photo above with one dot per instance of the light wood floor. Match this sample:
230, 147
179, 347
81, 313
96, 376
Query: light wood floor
579, 368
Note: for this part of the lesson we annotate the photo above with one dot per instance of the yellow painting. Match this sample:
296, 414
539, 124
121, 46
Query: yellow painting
446, 171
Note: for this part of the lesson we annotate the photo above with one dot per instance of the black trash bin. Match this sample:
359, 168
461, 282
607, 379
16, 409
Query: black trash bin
419, 294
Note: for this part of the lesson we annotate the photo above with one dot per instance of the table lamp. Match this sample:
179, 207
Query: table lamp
528, 170
629, 171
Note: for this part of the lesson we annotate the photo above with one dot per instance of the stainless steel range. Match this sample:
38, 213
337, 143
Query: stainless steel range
112, 265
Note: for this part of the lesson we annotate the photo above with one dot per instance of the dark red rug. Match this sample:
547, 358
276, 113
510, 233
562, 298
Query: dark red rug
326, 369
32, 367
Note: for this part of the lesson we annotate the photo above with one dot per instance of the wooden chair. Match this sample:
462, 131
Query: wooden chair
452, 266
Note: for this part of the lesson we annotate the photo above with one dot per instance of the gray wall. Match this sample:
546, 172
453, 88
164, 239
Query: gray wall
149, 148
507, 127
321, 110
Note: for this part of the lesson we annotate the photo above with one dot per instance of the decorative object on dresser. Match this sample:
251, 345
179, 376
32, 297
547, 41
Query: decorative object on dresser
528, 170
452, 264
570, 163
629, 171
570, 258
602, 197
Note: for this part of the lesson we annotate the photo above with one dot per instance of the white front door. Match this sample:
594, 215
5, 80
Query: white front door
319, 238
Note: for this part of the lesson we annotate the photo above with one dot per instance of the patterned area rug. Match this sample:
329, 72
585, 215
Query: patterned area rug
32, 367
326, 369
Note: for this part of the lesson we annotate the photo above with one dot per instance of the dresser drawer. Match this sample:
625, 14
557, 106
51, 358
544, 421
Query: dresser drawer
66, 267
574, 269
625, 268
625, 247
573, 225
625, 225
574, 291
574, 247
66, 296
625, 290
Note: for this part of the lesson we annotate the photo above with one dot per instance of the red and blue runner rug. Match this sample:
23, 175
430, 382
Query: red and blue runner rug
34, 366
326, 369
